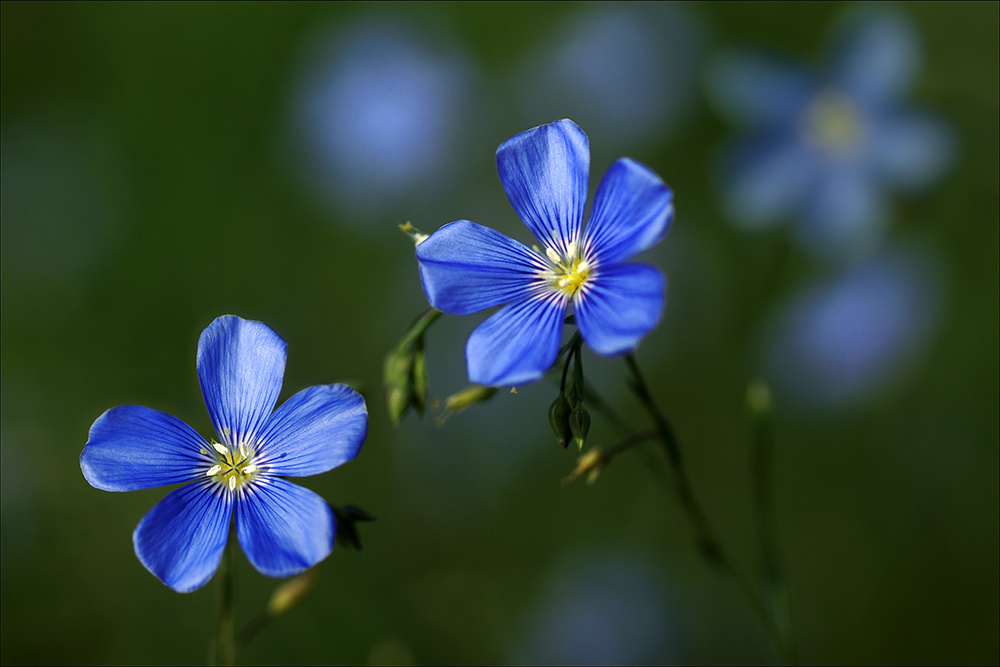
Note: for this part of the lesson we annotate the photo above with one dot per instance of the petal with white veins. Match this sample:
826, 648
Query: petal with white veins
315, 430
632, 211
465, 268
518, 344
622, 305
133, 447
241, 364
181, 539
545, 173
283, 528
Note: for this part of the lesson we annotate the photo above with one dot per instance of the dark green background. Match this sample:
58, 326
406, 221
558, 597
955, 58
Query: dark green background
888, 512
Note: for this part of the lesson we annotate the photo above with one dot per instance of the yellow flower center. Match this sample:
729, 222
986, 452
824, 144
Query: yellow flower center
568, 273
833, 123
233, 466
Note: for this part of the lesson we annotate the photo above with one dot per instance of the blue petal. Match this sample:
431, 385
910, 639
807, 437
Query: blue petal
466, 267
623, 304
315, 430
181, 540
758, 90
240, 367
766, 181
131, 447
912, 150
283, 528
845, 214
632, 211
545, 172
877, 55
518, 344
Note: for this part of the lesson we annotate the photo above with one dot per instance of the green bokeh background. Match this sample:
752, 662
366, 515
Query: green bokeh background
887, 512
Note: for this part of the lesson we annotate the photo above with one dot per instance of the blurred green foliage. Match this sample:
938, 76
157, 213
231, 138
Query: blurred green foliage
887, 513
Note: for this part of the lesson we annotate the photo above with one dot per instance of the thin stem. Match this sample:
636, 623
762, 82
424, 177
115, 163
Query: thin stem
225, 645
772, 571
708, 544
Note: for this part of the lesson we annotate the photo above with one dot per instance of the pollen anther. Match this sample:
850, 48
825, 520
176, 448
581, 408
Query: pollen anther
213, 471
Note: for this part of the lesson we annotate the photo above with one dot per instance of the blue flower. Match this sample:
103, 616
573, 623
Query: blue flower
825, 148
283, 528
466, 267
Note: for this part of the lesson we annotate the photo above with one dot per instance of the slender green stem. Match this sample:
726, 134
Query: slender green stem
225, 644
772, 572
710, 547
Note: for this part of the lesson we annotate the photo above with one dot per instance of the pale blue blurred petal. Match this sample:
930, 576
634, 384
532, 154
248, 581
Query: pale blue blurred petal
838, 341
757, 90
380, 117
912, 150
766, 181
845, 214
623, 70
241, 364
877, 55
315, 430
282, 527
465, 268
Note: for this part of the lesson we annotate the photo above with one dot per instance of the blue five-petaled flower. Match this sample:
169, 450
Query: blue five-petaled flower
283, 528
824, 149
466, 268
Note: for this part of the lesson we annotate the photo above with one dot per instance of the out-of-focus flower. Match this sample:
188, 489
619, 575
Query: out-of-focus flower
604, 609
625, 70
837, 342
283, 528
825, 147
378, 117
466, 267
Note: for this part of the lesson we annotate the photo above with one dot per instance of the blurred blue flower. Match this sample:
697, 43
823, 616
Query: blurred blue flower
825, 148
466, 267
378, 117
283, 528
837, 342
626, 70
602, 608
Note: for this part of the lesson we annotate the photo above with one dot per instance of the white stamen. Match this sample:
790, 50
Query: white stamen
222, 449
243, 450
553, 255
213, 471
232, 483
250, 469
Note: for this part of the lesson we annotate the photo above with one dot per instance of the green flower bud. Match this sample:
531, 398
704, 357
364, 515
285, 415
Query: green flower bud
463, 399
559, 413
579, 424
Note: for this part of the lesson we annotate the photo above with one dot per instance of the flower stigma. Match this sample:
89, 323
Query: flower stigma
233, 466
833, 123
567, 273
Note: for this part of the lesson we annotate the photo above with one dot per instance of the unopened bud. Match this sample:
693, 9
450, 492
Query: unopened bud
579, 423
291, 593
559, 413
463, 399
